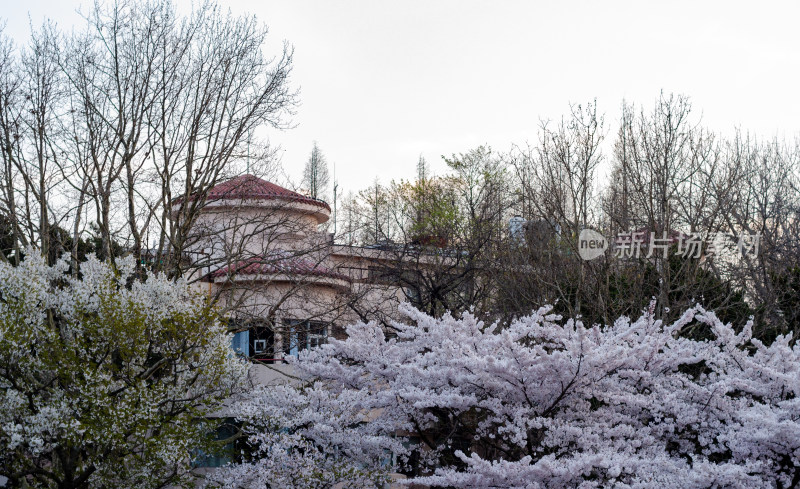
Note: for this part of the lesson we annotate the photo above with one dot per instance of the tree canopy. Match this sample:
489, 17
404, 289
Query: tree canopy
106, 381
548, 402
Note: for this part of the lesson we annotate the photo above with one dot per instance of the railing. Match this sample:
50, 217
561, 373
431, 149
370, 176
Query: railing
269, 360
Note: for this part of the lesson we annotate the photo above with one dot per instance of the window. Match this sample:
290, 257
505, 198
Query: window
302, 335
413, 296
240, 343
259, 347
217, 453
382, 276
257, 340
262, 342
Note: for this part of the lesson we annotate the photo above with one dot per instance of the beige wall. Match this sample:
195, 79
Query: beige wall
229, 231
236, 228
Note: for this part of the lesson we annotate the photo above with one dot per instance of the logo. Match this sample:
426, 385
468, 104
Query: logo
591, 244
644, 244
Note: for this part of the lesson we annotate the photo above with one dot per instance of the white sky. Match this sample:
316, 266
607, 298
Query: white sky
383, 82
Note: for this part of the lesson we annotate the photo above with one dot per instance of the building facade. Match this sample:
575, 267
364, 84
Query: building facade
277, 274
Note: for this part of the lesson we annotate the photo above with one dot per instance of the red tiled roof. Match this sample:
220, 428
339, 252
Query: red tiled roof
252, 187
279, 262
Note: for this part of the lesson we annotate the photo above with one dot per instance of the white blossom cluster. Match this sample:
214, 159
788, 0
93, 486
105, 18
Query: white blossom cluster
103, 378
550, 403
310, 437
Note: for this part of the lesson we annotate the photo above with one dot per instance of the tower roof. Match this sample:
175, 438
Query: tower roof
248, 187
276, 264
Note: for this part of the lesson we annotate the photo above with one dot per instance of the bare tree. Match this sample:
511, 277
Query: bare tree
434, 239
315, 174
109, 129
556, 183
674, 181
29, 111
765, 204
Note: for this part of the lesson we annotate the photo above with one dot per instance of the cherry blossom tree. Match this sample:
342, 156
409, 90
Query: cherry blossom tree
547, 402
311, 437
105, 380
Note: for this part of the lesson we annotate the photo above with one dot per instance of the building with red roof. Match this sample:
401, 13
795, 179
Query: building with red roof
268, 260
